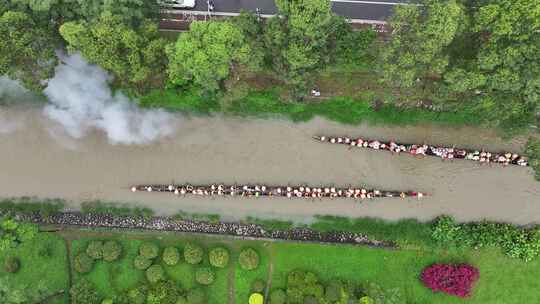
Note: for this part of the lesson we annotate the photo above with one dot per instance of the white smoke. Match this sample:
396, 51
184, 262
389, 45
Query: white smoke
81, 100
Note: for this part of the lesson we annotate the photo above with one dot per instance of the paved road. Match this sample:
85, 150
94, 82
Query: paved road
355, 9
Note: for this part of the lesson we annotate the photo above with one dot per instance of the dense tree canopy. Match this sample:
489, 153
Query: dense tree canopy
417, 50
135, 56
26, 51
300, 38
205, 55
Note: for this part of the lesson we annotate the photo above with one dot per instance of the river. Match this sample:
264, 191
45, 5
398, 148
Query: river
37, 159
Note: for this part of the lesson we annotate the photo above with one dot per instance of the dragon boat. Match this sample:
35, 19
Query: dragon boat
307, 192
503, 158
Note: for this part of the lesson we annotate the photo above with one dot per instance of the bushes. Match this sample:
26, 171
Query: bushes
111, 251
219, 257
204, 276
13, 232
451, 279
83, 292
278, 296
95, 250
83, 263
193, 254
155, 273
141, 262
532, 150
515, 241
11, 264
171, 256
248, 259
149, 250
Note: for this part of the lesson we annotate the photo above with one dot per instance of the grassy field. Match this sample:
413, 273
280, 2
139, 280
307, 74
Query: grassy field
43, 263
502, 280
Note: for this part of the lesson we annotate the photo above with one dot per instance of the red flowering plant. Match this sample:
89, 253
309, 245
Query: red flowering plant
456, 280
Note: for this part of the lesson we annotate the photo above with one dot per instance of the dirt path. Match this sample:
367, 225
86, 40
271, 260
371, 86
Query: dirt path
38, 160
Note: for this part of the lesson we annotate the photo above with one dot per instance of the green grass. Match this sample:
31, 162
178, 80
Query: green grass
244, 278
177, 100
51, 270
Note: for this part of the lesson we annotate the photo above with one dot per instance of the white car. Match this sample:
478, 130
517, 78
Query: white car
178, 3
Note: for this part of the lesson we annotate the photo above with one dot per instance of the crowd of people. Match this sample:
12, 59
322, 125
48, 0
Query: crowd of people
485, 157
276, 191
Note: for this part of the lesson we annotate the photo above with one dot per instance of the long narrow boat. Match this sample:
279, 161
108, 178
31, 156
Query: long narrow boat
503, 158
276, 191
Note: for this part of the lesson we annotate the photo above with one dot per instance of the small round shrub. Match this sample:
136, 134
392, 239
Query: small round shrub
111, 251
258, 286
155, 273
205, 276
366, 300
248, 259
278, 296
83, 263
95, 250
196, 296
171, 256
107, 301
219, 257
193, 254
456, 280
141, 262
137, 295
12, 264
149, 250
256, 298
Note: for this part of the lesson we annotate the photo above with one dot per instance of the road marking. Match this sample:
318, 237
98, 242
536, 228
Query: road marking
202, 13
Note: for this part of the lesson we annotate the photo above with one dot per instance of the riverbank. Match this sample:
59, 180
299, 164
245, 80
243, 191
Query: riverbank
38, 159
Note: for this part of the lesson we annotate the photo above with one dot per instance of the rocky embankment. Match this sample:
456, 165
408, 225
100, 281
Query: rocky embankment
76, 219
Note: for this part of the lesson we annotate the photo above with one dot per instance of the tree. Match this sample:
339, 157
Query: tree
417, 50
111, 251
248, 259
149, 250
204, 275
171, 256
135, 56
164, 292
503, 75
155, 273
27, 50
299, 39
83, 292
17, 293
95, 250
83, 263
219, 257
205, 55
141, 262
193, 254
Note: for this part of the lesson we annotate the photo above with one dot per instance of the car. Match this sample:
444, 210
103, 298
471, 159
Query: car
178, 3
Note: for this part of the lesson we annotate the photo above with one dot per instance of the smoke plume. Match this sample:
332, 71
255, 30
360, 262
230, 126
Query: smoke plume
81, 100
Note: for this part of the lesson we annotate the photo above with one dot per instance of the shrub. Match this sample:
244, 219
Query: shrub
278, 296
107, 301
141, 262
171, 256
83, 292
163, 292
111, 251
248, 259
95, 250
204, 276
445, 230
219, 257
256, 298
333, 292
196, 296
532, 150
451, 279
155, 273
258, 286
366, 300
138, 295
12, 264
83, 263
149, 250
193, 254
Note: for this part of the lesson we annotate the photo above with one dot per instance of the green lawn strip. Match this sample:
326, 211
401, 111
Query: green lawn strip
502, 280
244, 278
51, 271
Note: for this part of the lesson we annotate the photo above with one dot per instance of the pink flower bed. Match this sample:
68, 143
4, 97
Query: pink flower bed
456, 280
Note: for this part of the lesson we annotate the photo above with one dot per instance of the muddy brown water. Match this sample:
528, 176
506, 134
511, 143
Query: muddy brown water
37, 159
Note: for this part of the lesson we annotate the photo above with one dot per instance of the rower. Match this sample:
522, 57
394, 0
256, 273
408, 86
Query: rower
149, 189
171, 187
133, 189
